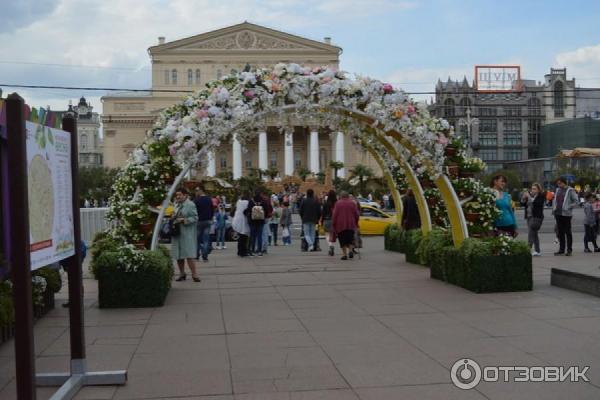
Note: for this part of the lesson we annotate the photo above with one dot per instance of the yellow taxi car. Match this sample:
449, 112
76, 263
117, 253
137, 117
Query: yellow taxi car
372, 221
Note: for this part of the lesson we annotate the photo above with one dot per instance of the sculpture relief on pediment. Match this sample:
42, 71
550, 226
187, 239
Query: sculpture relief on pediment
245, 40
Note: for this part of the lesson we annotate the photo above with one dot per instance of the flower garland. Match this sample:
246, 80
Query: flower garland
187, 131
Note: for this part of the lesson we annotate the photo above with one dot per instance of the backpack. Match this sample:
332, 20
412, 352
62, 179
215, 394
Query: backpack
258, 213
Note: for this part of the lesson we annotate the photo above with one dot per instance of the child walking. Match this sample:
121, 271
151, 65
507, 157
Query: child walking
220, 227
589, 224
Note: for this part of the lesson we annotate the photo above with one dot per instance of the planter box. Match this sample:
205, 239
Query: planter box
485, 274
147, 286
132, 289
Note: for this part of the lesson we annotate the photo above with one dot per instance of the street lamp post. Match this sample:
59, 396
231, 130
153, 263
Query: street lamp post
469, 123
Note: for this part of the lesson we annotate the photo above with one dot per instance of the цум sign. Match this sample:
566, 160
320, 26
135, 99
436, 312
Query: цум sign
497, 78
50, 195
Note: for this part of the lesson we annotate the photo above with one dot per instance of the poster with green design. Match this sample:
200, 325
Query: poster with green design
50, 195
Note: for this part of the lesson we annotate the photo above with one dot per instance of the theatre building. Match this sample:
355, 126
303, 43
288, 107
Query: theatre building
188, 64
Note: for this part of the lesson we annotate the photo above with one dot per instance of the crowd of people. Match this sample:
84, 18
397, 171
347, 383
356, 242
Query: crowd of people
562, 202
260, 220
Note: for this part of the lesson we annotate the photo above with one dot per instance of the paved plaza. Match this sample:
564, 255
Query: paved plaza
295, 325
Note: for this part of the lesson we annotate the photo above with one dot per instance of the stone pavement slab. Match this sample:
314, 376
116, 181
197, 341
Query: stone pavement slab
305, 326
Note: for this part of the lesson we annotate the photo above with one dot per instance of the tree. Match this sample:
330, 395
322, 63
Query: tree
303, 173
321, 177
95, 183
362, 172
272, 173
336, 166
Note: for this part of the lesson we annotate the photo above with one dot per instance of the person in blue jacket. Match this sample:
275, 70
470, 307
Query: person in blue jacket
506, 223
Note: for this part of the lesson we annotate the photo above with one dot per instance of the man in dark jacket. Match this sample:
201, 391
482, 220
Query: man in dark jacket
310, 212
204, 206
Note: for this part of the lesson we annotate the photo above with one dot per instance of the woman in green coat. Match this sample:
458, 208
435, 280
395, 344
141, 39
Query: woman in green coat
183, 246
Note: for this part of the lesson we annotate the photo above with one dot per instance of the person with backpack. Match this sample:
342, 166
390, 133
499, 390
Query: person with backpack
310, 213
256, 219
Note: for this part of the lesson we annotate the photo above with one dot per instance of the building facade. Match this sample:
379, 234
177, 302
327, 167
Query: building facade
188, 64
505, 127
91, 149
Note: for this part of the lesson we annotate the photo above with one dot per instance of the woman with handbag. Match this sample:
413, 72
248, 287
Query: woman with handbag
184, 243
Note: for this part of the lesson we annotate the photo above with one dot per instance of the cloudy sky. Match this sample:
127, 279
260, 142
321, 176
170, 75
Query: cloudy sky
92, 43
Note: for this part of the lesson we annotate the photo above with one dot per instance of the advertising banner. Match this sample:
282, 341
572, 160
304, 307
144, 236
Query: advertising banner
50, 195
497, 78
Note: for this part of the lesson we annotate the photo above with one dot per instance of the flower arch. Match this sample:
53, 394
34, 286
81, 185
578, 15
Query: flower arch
382, 120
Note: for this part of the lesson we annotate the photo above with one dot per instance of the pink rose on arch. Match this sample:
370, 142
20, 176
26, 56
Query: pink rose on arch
275, 87
326, 79
249, 94
316, 70
410, 109
173, 149
201, 114
387, 88
443, 140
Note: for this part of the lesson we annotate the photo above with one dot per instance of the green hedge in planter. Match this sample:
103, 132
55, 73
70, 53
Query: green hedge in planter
394, 238
145, 283
410, 244
102, 243
427, 251
486, 266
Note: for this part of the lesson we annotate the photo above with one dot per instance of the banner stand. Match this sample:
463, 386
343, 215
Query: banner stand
16, 229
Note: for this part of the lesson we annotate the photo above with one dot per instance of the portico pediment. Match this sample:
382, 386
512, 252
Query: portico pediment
245, 37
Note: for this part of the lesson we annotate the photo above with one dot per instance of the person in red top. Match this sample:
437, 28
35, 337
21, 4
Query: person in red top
344, 223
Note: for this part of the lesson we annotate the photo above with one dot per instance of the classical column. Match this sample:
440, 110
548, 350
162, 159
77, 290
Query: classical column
237, 158
263, 153
339, 152
288, 139
211, 167
314, 150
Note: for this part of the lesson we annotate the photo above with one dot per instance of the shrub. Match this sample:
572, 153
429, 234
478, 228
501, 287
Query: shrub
431, 244
393, 237
410, 244
7, 313
52, 277
103, 242
144, 285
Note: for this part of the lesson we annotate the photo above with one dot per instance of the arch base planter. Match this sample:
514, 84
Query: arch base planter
485, 274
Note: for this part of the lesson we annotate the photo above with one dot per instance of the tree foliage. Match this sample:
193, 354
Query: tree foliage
95, 183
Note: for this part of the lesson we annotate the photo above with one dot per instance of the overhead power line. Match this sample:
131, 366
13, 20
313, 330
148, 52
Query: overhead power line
460, 92
73, 65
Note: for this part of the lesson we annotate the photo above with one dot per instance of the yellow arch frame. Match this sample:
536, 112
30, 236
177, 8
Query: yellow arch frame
390, 180
453, 207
